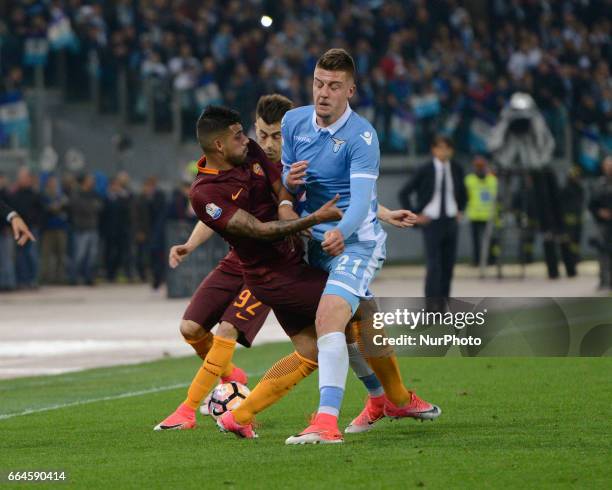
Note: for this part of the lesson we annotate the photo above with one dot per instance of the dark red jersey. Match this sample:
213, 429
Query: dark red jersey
216, 195
231, 263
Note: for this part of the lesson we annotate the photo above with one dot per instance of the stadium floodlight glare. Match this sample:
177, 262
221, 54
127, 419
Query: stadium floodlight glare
266, 20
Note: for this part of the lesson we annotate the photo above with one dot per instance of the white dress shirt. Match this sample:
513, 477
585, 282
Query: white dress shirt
432, 210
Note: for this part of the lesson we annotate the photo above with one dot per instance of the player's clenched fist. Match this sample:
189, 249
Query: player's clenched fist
333, 242
329, 211
296, 174
178, 253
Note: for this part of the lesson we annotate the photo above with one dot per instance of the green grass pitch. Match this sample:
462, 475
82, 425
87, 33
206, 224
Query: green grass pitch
506, 423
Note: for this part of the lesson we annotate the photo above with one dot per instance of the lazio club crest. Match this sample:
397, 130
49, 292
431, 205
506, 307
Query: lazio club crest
257, 169
337, 144
213, 210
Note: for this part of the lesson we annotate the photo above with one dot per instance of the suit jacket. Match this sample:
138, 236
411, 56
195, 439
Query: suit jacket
423, 184
5, 209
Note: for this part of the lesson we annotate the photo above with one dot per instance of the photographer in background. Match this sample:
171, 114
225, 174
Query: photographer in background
600, 206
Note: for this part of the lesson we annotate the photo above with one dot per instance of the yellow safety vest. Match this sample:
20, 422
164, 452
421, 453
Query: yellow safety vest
482, 194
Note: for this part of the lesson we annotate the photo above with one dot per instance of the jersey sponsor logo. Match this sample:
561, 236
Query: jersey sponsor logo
337, 144
213, 210
367, 137
304, 139
257, 169
235, 196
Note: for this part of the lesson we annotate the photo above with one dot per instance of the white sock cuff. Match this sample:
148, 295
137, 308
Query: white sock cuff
331, 340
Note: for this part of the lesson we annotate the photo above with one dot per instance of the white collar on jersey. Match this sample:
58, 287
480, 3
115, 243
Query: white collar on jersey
333, 128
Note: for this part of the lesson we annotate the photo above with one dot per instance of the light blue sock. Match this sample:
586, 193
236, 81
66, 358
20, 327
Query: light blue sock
363, 371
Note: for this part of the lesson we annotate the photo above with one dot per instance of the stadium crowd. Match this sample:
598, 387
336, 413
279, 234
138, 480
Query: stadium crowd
423, 66
88, 227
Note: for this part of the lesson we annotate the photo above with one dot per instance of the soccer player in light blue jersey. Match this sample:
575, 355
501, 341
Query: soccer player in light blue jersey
337, 152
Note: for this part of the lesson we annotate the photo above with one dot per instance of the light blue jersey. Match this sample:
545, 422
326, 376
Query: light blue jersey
344, 159
346, 150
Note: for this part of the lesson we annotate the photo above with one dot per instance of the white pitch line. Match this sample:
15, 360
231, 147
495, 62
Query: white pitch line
129, 394
4, 416
44, 348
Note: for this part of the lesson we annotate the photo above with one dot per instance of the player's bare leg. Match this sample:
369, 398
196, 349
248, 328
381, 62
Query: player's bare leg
333, 314
216, 362
275, 384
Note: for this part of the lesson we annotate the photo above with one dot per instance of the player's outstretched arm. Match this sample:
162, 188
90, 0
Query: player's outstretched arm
200, 234
245, 224
401, 218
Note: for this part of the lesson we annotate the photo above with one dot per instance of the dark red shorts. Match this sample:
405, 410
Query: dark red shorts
293, 294
222, 296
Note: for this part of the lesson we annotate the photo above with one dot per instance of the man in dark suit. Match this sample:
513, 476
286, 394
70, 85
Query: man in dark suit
440, 200
21, 232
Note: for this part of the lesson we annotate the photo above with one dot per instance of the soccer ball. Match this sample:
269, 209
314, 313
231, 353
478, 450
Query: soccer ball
227, 396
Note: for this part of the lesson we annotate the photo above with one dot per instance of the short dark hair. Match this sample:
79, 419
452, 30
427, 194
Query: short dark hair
337, 59
272, 108
442, 139
212, 121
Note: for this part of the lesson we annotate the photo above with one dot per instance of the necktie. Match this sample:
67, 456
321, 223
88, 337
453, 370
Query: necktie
443, 193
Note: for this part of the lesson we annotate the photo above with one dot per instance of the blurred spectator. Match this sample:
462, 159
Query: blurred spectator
141, 232
7, 243
116, 229
156, 243
184, 68
572, 209
54, 238
150, 211
207, 91
28, 203
85, 208
180, 208
481, 187
600, 206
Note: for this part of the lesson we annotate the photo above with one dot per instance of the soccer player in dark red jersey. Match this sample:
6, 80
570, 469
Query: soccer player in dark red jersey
222, 297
